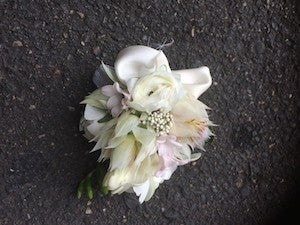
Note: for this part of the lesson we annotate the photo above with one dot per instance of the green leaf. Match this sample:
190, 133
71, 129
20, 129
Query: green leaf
80, 189
106, 118
104, 190
88, 185
100, 173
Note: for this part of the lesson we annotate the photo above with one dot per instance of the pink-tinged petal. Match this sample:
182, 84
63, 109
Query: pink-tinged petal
204, 134
113, 101
162, 139
124, 103
172, 137
175, 143
166, 173
164, 150
167, 147
117, 88
116, 111
108, 90
126, 95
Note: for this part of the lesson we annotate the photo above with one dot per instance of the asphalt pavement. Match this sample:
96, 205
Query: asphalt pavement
49, 51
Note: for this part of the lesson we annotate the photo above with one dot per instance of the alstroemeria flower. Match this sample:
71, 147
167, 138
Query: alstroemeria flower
118, 98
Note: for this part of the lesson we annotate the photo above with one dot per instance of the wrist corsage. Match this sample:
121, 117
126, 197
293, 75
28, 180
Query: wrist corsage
145, 119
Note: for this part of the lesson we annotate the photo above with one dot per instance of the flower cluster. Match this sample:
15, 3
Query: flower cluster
147, 121
159, 121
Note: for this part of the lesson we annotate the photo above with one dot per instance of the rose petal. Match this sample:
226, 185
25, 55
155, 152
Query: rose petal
132, 61
195, 81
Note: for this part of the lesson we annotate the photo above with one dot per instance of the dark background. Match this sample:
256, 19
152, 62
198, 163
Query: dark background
48, 53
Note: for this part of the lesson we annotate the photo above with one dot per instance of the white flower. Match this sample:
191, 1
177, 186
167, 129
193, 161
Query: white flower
190, 121
146, 146
89, 122
159, 90
137, 61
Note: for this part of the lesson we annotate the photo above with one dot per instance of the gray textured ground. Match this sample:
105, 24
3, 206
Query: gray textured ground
247, 176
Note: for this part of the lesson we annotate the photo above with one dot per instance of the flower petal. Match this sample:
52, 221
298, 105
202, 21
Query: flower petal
114, 101
152, 187
142, 190
143, 135
166, 173
196, 81
123, 154
131, 83
109, 90
117, 88
132, 62
94, 127
126, 123
93, 113
116, 110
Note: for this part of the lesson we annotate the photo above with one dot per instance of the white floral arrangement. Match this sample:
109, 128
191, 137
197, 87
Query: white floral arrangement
147, 120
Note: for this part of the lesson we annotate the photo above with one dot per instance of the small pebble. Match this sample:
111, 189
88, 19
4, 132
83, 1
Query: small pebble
96, 50
80, 14
56, 72
32, 107
17, 44
88, 211
193, 32
41, 136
